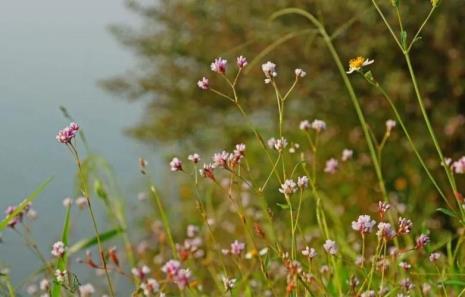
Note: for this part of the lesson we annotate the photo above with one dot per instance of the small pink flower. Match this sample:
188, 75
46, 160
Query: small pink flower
58, 249
203, 83
269, 69
60, 275
150, 287
219, 65
302, 182
405, 266
81, 202
383, 207
347, 155
208, 171
86, 290
141, 272
364, 224
309, 252
241, 62
228, 283
390, 124
175, 164
299, 73
182, 278
195, 158
288, 187
385, 231
434, 257
405, 226
422, 241
305, 125
318, 125
330, 247
459, 166
68, 133
171, 268
237, 247
331, 166
407, 284
221, 159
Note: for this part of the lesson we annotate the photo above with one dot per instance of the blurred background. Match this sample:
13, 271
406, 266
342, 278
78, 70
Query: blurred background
127, 72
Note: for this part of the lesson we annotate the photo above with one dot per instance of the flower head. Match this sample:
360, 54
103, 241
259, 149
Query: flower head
60, 275
302, 182
203, 83
175, 164
358, 63
422, 241
141, 272
228, 283
383, 207
288, 187
195, 158
68, 133
299, 73
241, 62
150, 287
269, 69
305, 125
434, 257
364, 224
219, 65
390, 124
171, 268
385, 231
58, 249
405, 226
331, 166
347, 155
309, 252
330, 247
237, 247
86, 290
318, 125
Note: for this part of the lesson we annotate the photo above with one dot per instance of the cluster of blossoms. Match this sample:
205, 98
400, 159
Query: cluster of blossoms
364, 224
317, 125
67, 134
176, 273
458, 167
236, 248
278, 144
224, 159
289, 186
219, 65
58, 249
192, 244
18, 218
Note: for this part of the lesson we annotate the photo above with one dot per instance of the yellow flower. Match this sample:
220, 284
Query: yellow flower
357, 63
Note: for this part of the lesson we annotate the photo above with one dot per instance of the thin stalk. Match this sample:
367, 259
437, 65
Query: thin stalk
407, 135
164, 219
94, 222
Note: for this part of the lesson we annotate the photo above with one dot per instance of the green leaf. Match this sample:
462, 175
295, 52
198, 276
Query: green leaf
447, 212
100, 191
454, 282
283, 205
87, 243
403, 38
25, 203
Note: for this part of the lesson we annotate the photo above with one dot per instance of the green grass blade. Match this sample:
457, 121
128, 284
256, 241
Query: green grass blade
63, 261
87, 243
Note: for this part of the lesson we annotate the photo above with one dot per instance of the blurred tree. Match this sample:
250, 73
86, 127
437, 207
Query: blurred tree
178, 40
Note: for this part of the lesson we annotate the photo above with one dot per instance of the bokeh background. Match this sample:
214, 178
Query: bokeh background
126, 70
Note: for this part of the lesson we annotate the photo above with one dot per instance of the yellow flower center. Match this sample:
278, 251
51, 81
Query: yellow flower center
356, 63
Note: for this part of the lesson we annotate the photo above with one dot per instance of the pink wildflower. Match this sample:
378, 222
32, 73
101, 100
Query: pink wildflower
175, 164
203, 83
241, 62
219, 65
